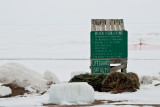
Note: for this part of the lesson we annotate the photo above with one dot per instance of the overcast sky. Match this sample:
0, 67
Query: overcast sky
77, 12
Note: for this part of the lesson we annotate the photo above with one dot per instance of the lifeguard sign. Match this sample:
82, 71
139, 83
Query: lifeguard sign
109, 43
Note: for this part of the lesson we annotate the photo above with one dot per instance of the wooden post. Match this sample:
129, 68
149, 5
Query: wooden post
116, 68
103, 24
98, 23
107, 25
124, 69
122, 24
93, 27
117, 24
112, 25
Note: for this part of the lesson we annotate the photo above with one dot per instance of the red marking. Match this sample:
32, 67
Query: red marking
143, 46
142, 43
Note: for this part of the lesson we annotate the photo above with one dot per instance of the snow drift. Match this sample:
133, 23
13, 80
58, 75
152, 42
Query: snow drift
51, 77
21, 76
146, 80
65, 93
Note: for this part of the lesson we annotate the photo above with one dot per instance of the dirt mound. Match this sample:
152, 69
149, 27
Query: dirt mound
16, 90
94, 80
120, 82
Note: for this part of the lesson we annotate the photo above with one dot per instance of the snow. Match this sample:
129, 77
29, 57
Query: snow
145, 80
63, 55
31, 90
147, 94
19, 75
4, 91
139, 62
51, 77
27, 101
68, 93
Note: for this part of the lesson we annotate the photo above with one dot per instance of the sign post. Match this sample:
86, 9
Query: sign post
109, 45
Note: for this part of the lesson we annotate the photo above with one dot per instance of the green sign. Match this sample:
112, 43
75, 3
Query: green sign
100, 66
109, 44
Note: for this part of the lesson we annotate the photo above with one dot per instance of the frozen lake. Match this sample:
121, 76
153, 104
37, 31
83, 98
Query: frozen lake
66, 49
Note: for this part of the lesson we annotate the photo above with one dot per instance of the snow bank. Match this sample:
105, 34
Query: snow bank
4, 91
65, 93
156, 78
146, 80
149, 79
51, 77
1, 84
19, 75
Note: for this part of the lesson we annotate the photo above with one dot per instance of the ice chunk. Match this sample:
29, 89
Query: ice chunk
4, 91
51, 77
76, 93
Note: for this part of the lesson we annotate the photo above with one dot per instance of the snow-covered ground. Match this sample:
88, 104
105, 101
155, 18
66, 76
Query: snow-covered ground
63, 50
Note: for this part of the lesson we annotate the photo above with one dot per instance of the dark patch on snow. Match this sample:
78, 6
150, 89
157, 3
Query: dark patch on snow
103, 102
16, 90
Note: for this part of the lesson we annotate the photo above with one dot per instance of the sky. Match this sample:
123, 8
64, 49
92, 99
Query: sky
77, 12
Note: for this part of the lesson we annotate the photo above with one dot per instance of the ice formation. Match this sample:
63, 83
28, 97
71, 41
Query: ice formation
76, 93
